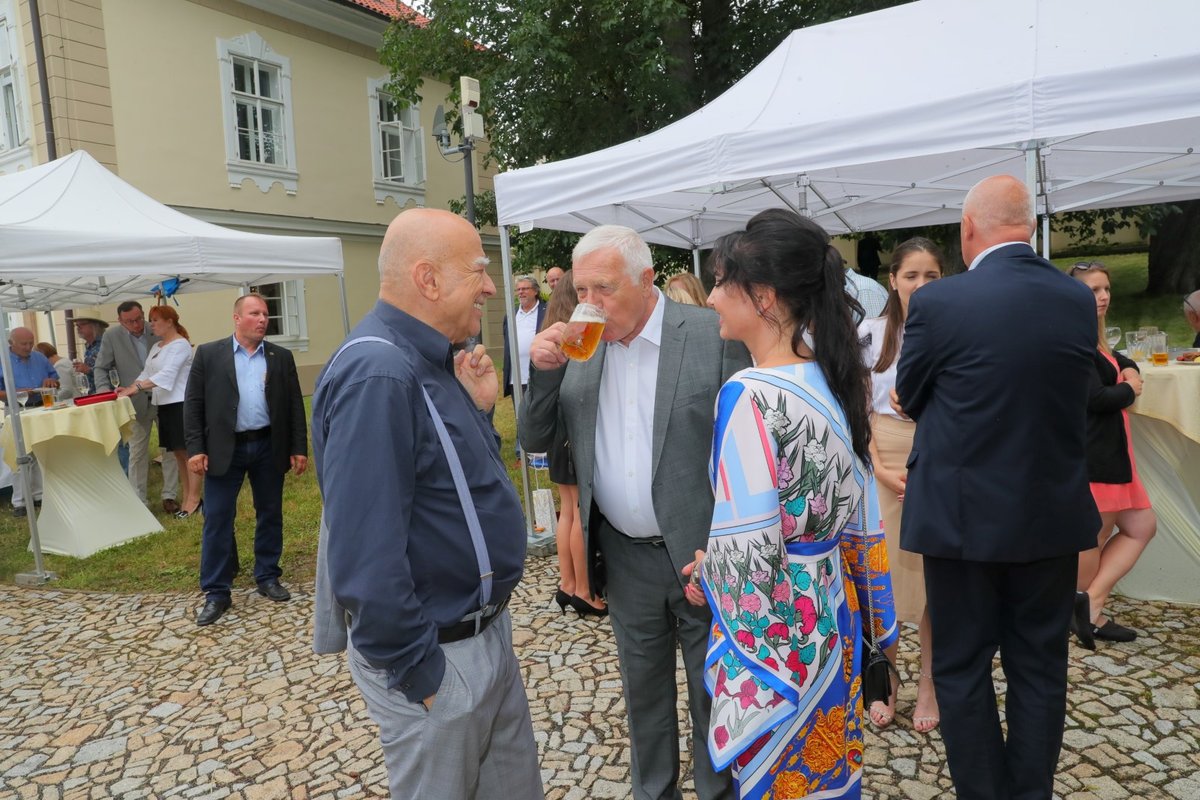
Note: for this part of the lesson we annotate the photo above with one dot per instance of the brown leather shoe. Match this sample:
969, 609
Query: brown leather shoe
170, 505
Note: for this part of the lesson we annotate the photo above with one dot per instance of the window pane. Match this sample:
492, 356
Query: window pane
266, 82
387, 108
241, 76
8, 112
247, 131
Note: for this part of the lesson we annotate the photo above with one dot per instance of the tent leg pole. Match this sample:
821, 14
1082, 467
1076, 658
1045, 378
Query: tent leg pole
341, 276
696, 261
535, 543
39, 575
1046, 236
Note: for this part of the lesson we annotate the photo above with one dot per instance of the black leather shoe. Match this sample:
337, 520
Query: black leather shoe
20, 512
1081, 621
274, 590
1110, 631
213, 610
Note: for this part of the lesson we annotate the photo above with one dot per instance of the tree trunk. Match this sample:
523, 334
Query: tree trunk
1175, 252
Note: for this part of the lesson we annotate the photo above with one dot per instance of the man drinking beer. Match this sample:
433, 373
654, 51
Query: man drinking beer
639, 415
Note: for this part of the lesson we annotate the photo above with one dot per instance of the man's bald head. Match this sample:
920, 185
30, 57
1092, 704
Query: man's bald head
1191, 309
432, 266
996, 210
20, 341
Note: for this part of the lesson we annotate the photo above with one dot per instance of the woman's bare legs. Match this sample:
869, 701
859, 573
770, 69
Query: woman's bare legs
1135, 529
579, 561
190, 483
568, 516
926, 716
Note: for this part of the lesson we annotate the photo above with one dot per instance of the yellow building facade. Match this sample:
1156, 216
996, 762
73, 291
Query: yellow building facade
262, 115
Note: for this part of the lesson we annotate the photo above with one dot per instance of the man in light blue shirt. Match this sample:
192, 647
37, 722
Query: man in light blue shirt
31, 370
870, 294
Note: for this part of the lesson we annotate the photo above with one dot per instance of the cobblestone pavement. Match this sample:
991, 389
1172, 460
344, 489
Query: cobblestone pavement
123, 696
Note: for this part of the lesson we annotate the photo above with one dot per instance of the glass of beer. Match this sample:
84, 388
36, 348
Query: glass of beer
582, 334
1158, 349
47, 398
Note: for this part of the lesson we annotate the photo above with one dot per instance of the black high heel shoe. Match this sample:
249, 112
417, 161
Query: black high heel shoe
585, 609
181, 514
563, 599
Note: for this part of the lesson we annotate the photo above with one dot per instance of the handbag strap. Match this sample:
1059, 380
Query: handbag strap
870, 621
460, 480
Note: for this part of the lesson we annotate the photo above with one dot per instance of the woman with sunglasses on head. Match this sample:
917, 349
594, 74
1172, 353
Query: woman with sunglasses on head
795, 557
915, 263
1116, 487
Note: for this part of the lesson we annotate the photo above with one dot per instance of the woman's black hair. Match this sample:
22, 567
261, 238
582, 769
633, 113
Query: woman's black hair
792, 255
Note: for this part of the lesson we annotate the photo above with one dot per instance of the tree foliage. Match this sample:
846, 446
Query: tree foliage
559, 79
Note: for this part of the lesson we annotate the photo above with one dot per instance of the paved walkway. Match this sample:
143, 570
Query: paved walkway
122, 696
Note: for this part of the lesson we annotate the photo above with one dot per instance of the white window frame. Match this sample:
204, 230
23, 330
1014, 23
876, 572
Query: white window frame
251, 46
412, 186
15, 151
293, 321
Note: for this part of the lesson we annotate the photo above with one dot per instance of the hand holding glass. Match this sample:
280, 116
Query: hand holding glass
582, 335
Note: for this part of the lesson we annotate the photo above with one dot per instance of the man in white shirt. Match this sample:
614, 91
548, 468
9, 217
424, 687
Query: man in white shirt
870, 294
639, 417
530, 312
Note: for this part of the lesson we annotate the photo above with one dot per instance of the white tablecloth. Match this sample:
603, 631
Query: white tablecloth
1166, 443
87, 503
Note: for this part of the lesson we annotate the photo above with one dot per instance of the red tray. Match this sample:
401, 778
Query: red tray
103, 397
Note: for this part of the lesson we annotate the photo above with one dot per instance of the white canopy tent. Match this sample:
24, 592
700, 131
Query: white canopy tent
886, 119
72, 233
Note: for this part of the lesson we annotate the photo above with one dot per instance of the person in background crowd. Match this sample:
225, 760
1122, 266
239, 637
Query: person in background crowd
574, 588
915, 263
64, 368
686, 288
639, 417
1120, 497
997, 496
165, 378
91, 330
869, 294
122, 356
416, 557
529, 315
243, 416
31, 370
1191, 311
795, 557
553, 276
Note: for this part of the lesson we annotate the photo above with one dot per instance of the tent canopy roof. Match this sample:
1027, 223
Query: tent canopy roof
884, 120
75, 234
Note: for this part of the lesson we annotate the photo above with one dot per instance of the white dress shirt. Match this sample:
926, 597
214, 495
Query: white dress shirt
526, 330
882, 383
625, 430
988, 252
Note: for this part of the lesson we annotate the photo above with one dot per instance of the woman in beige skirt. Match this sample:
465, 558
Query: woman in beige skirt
914, 263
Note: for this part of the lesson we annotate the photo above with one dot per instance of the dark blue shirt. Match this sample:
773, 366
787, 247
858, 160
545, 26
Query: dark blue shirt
400, 556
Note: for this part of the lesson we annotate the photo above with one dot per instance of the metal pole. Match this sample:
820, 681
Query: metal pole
341, 276
518, 394
39, 57
468, 148
1031, 184
696, 261
1046, 236
24, 460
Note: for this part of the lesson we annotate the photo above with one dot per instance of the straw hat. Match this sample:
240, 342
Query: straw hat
91, 315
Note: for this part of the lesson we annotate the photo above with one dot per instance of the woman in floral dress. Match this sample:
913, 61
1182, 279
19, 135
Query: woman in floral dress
795, 555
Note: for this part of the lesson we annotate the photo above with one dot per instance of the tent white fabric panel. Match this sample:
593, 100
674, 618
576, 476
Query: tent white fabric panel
885, 120
72, 233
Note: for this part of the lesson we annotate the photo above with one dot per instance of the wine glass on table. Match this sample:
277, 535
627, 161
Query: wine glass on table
1112, 334
22, 397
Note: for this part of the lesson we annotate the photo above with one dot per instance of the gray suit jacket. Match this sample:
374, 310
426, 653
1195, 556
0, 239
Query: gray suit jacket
693, 364
119, 355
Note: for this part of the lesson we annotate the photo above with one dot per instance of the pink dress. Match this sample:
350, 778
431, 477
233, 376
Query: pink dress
1115, 497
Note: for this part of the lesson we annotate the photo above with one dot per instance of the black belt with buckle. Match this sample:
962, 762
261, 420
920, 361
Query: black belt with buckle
245, 437
471, 624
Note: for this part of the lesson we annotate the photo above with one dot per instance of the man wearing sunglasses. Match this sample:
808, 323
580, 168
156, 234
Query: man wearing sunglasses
1191, 310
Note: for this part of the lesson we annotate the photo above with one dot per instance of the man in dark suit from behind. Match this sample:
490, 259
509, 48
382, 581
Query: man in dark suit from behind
243, 415
995, 371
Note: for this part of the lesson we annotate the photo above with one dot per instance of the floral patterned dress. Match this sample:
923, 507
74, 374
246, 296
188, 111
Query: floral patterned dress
788, 566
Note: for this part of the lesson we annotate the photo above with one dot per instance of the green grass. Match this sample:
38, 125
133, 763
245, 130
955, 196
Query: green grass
170, 561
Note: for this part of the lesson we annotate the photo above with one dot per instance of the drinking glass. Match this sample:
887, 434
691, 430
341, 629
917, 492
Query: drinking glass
22, 397
1135, 345
1158, 349
47, 397
582, 334
1113, 335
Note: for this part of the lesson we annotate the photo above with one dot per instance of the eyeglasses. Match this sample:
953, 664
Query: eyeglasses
1084, 266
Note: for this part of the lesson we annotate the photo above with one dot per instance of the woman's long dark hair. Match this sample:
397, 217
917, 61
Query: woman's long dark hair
563, 300
792, 255
894, 310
